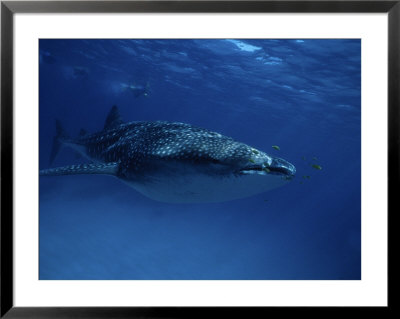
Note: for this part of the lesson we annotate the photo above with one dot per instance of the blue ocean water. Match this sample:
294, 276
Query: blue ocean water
302, 95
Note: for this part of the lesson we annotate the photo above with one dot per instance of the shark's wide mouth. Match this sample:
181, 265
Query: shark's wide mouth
278, 166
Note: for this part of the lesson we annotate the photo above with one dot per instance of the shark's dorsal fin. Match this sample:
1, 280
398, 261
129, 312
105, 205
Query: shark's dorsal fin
113, 119
107, 169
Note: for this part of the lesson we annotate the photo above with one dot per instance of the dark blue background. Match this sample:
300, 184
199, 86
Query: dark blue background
302, 95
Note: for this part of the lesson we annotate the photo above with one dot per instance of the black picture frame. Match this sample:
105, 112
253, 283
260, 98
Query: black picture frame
9, 8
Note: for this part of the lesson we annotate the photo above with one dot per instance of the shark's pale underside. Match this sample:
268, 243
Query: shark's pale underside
173, 162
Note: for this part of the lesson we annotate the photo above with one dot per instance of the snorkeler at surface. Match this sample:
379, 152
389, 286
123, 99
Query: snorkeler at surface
138, 90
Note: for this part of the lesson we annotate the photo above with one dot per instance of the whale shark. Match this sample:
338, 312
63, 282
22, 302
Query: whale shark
173, 162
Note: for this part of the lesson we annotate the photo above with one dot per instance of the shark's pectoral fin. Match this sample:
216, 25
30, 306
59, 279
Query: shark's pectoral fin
106, 169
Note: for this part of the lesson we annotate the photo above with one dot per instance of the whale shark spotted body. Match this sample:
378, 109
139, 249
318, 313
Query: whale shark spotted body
173, 162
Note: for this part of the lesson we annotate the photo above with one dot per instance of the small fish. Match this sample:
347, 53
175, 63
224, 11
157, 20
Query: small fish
255, 151
316, 166
315, 159
266, 169
252, 161
46, 57
303, 158
276, 147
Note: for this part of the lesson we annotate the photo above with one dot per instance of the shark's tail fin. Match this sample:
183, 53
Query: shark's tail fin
57, 141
